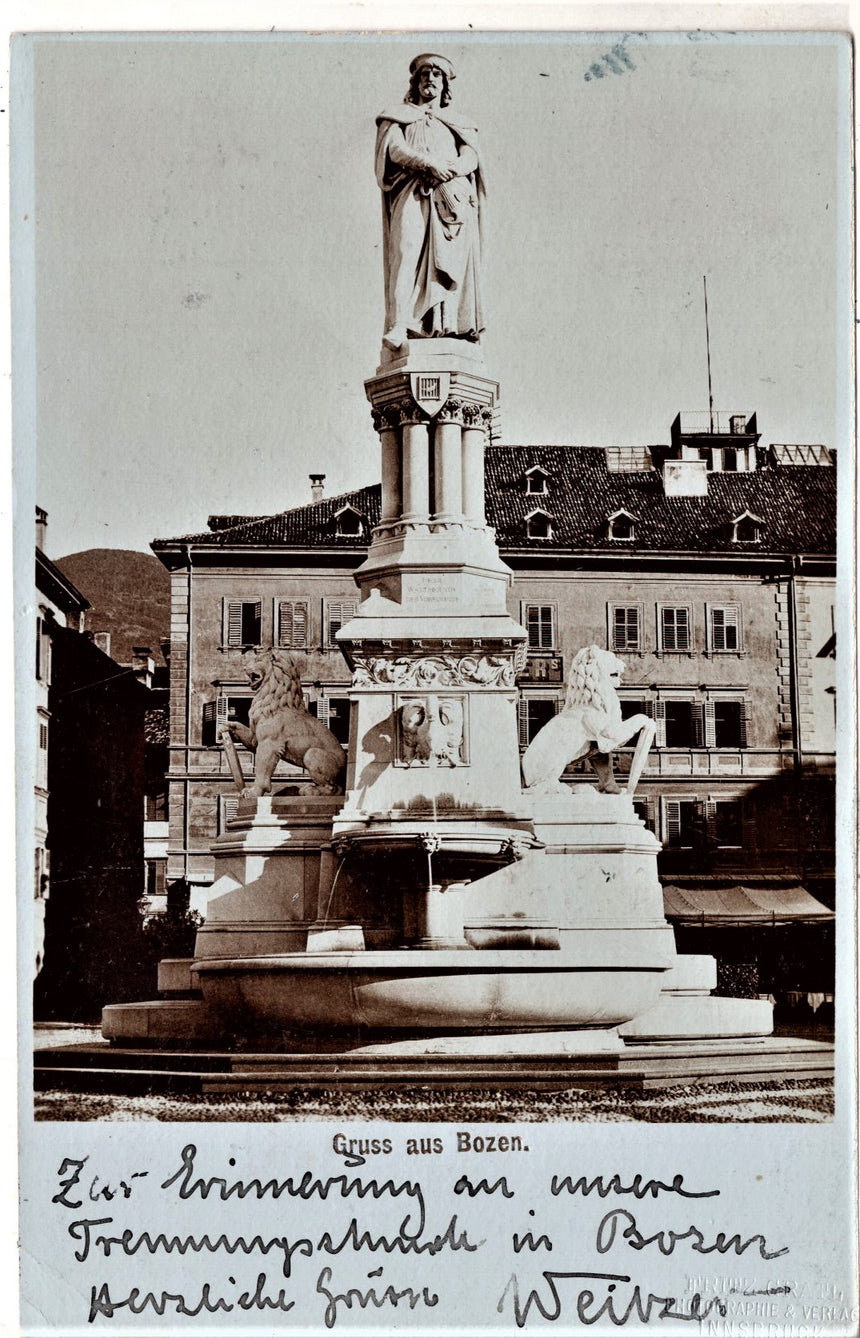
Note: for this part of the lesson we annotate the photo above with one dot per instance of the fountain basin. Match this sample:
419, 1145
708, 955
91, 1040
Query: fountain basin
455, 991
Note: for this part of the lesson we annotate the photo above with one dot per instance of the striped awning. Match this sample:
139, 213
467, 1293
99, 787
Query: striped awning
737, 905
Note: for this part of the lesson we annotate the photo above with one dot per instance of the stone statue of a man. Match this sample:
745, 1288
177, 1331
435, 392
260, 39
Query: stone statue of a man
429, 173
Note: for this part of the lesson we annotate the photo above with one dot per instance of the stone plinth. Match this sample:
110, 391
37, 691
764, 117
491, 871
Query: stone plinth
687, 1009
270, 866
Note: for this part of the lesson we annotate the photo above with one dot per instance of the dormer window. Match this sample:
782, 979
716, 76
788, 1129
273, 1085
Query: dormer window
350, 523
621, 525
537, 481
746, 528
539, 525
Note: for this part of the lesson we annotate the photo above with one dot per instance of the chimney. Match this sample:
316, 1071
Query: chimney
143, 664
102, 640
41, 527
317, 481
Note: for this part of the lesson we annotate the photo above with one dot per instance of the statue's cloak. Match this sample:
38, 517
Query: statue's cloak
449, 270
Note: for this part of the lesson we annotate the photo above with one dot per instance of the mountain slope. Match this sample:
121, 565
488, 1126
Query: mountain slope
130, 597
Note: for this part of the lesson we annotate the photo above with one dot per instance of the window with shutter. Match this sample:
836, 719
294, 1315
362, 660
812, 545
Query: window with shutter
292, 623
539, 620
675, 626
338, 719
725, 627
625, 627
644, 809
728, 822
242, 622
337, 612
535, 712
209, 730
682, 817
678, 724
729, 726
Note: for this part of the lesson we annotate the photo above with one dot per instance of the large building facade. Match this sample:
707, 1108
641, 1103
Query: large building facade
707, 564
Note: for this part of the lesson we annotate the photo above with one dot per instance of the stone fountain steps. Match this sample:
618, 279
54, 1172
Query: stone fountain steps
105, 1068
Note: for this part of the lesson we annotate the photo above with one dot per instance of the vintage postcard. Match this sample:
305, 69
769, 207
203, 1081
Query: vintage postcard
436, 728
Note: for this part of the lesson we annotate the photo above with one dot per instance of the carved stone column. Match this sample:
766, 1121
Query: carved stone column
392, 497
416, 470
475, 423
447, 442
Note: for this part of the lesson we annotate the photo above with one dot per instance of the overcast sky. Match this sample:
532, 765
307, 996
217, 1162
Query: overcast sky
208, 274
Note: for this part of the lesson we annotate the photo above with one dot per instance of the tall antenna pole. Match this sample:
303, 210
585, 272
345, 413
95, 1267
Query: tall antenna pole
708, 348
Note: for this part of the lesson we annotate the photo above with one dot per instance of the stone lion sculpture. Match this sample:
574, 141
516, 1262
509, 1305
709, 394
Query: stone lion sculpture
589, 725
279, 726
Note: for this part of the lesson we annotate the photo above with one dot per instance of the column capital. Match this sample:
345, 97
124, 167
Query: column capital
397, 413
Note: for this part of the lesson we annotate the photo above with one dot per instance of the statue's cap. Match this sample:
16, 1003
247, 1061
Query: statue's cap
430, 58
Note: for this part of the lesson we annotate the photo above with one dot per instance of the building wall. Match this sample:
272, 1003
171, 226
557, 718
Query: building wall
93, 944
213, 669
738, 806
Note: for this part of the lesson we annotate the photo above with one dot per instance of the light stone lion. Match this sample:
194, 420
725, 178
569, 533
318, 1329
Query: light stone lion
279, 726
590, 724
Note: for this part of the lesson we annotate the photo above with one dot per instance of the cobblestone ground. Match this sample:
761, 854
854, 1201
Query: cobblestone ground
808, 1101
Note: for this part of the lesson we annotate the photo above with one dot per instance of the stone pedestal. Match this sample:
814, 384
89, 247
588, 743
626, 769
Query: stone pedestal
273, 876
687, 1010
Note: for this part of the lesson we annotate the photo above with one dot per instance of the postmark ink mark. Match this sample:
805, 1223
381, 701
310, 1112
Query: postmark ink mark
616, 61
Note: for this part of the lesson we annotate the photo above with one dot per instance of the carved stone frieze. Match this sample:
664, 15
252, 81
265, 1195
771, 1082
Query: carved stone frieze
433, 670
408, 410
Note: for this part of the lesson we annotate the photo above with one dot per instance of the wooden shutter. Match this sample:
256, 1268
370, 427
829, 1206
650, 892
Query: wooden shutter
232, 622
625, 632
725, 627
209, 731
322, 710
710, 740
292, 622
660, 720
672, 811
523, 722
748, 826
338, 612
697, 724
709, 808
743, 726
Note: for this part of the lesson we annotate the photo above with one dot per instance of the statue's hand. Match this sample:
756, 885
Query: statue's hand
439, 172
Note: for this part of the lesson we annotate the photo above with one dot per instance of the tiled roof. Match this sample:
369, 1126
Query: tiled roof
304, 526
797, 504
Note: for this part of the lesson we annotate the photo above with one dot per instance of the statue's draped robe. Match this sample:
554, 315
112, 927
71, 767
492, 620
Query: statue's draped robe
431, 233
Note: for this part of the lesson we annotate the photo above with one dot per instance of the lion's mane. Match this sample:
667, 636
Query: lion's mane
281, 686
589, 685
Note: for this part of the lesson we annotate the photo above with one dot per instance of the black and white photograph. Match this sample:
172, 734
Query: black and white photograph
436, 756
